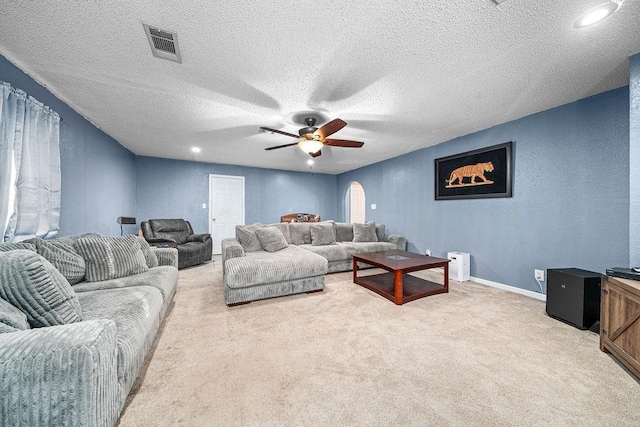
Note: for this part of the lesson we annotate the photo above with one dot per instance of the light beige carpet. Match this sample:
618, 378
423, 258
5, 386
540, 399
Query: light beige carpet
346, 356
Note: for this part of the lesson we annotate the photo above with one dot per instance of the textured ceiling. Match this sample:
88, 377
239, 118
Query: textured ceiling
403, 75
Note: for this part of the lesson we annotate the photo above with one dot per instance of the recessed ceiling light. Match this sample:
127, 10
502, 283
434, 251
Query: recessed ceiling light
195, 149
310, 162
596, 14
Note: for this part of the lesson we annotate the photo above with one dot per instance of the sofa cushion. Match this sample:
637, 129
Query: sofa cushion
284, 229
9, 246
366, 247
149, 255
12, 317
300, 233
63, 256
111, 257
136, 312
258, 268
344, 231
271, 239
365, 232
29, 282
322, 234
336, 252
246, 235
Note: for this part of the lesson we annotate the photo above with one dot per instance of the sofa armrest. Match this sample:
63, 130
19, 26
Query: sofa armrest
198, 237
231, 248
398, 240
166, 256
50, 376
159, 240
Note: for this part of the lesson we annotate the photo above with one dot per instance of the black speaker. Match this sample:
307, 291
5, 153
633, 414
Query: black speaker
126, 220
573, 296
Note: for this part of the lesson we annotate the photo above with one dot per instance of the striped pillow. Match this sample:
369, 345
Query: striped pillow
12, 317
8, 246
63, 256
149, 256
111, 257
30, 283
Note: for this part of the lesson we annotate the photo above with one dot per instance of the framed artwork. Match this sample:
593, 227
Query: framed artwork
475, 174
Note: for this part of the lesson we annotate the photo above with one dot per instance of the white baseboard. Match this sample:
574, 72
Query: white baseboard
531, 294
515, 290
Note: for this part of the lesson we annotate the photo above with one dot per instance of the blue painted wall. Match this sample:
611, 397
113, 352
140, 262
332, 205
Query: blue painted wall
177, 189
634, 160
570, 204
98, 174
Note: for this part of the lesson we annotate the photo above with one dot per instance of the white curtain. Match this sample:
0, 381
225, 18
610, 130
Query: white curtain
29, 167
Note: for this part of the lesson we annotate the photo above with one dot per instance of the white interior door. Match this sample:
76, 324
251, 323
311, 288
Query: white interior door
226, 207
357, 204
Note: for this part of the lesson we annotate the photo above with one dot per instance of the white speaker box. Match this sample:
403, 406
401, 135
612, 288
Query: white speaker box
459, 266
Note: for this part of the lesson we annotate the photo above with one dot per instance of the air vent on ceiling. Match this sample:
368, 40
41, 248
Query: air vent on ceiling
164, 43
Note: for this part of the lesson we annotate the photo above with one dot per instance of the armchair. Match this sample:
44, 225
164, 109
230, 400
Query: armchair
192, 248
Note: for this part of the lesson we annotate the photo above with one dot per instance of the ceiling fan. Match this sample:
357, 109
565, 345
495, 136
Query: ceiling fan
312, 139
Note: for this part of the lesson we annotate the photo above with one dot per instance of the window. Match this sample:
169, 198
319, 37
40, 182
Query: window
29, 167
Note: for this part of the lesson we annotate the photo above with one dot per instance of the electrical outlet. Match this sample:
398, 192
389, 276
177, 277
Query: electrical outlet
539, 274
427, 252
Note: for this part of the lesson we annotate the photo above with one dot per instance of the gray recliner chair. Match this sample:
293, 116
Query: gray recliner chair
193, 249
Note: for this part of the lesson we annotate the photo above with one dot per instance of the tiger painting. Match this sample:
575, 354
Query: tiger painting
472, 171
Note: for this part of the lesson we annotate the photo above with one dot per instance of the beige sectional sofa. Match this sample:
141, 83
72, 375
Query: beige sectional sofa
289, 258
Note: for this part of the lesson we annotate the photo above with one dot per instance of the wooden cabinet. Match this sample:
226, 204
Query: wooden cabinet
300, 217
620, 321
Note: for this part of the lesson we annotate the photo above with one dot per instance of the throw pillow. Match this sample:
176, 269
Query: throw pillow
111, 257
300, 233
8, 246
284, 229
380, 230
271, 238
149, 256
29, 282
344, 232
6, 328
63, 256
12, 316
323, 234
365, 232
246, 235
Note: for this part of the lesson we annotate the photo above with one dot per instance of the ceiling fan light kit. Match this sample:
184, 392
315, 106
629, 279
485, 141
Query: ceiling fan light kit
310, 145
312, 139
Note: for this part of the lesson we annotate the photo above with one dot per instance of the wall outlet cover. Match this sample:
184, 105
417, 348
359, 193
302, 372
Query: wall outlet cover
539, 274
373, 206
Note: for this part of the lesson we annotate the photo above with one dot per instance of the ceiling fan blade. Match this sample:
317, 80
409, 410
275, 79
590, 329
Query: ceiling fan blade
330, 128
281, 146
264, 129
343, 143
316, 154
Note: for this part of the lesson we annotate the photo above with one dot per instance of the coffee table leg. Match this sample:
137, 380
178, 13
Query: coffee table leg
446, 277
397, 283
355, 270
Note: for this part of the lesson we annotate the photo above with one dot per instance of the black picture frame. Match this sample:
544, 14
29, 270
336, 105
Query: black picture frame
492, 180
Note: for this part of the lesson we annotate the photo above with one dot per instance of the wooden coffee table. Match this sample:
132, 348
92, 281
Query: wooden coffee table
397, 285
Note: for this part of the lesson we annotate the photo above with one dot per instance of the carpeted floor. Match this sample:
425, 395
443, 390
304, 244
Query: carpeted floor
476, 356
